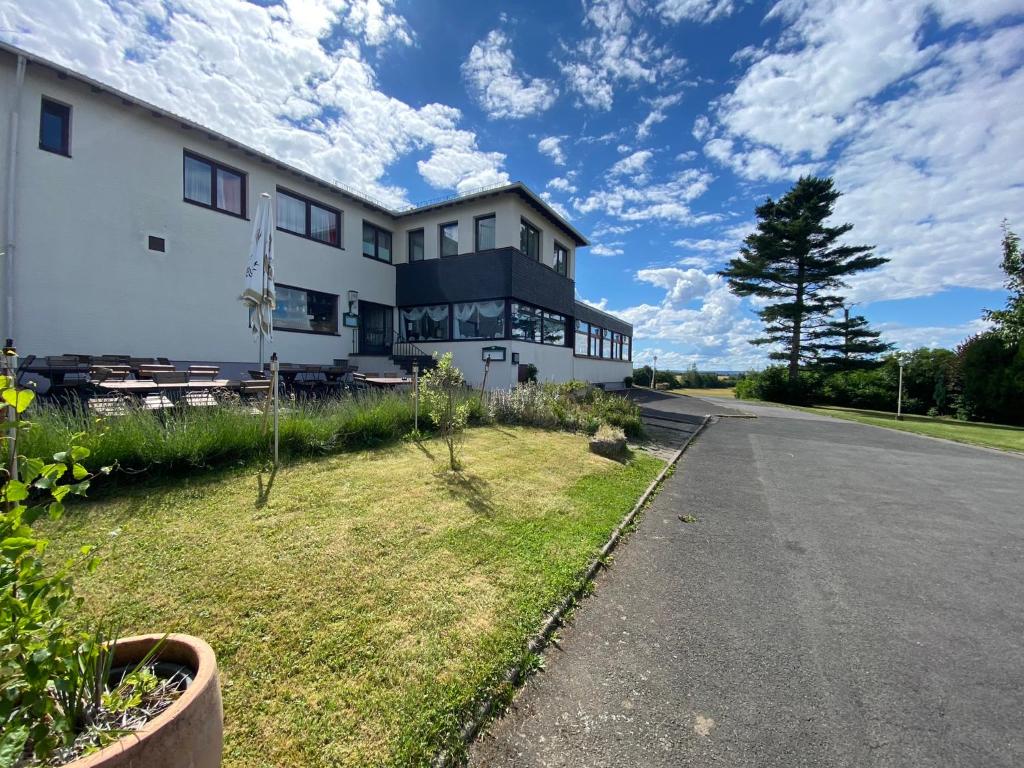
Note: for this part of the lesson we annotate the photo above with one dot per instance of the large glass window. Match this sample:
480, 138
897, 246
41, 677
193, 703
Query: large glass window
527, 322
55, 127
582, 346
561, 260
627, 348
485, 233
480, 320
554, 329
425, 323
416, 249
533, 324
214, 185
376, 242
529, 239
301, 216
302, 310
606, 345
449, 239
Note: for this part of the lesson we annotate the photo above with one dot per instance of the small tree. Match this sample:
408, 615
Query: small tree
442, 396
1009, 322
848, 343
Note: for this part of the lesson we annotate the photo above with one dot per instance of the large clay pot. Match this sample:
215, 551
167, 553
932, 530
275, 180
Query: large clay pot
190, 732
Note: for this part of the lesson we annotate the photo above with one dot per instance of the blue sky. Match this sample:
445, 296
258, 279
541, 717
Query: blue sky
655, 125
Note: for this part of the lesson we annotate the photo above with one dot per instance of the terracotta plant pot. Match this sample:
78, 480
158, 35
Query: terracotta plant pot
190, 732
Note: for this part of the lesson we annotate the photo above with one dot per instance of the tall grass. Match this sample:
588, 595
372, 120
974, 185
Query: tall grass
178, 440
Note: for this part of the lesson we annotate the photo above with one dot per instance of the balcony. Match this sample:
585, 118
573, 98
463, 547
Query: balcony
494, 274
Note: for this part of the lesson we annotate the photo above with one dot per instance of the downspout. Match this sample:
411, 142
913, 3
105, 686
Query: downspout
12, 178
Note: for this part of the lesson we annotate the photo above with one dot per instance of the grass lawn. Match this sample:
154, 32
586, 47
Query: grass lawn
359, 604
990, 435
698, 392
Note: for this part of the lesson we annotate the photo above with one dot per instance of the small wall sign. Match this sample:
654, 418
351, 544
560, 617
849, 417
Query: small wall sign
515, 358
494, 354
350, 320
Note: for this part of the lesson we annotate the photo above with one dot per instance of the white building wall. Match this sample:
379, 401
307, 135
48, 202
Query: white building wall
86, 282
506, 225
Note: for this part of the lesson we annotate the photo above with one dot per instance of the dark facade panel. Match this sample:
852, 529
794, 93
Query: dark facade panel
500, 273
590, 315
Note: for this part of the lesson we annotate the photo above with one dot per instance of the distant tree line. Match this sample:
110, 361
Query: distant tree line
689, 379
795, 265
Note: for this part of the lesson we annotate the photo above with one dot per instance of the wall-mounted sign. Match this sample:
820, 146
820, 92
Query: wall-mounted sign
494, 354
350, 320
515, 358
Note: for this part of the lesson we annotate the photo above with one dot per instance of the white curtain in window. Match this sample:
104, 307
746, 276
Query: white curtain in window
229, 191
291, 214
197, 180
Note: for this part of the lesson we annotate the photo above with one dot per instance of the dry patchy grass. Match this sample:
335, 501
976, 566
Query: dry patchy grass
364, 602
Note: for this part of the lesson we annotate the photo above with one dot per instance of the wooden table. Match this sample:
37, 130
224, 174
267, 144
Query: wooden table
388, 381
174, 390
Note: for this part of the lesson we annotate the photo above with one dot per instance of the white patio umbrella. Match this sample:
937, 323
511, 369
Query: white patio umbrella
259, 293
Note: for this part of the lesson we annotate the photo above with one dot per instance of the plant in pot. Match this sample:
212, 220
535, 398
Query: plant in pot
77, 698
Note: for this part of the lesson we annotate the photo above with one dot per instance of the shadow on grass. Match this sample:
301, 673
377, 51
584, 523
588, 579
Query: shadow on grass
472, 489
263, 491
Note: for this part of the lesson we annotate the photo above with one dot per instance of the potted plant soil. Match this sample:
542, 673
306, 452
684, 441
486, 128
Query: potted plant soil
81, 698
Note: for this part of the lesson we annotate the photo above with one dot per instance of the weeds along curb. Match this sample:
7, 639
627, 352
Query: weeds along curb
515, 674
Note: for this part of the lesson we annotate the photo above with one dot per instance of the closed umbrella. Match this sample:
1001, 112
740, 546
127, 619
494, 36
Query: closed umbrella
259, 294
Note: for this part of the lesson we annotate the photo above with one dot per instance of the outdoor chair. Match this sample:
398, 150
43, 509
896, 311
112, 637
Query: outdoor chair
254, 391
101, 373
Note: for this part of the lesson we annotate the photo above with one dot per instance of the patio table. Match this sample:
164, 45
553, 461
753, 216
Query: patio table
174, 390
388, 381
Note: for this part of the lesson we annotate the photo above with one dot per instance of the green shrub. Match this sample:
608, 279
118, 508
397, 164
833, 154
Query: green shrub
574, 405
628, 382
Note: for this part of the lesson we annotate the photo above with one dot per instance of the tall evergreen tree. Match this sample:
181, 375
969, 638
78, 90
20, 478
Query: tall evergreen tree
1009, 322
847, 343
795, 261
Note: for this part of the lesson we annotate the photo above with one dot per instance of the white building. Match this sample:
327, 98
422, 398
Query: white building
125, 231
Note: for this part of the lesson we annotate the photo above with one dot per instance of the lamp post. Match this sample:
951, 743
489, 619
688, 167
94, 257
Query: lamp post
899, 394
654, 367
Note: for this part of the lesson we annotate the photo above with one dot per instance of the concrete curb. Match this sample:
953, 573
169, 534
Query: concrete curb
515, 674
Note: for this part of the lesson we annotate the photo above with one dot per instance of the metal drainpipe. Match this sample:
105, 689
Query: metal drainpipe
12, 178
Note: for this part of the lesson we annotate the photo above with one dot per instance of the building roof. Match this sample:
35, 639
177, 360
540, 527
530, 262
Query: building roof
158, 112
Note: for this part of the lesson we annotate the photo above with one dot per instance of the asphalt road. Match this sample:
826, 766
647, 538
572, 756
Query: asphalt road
849, 596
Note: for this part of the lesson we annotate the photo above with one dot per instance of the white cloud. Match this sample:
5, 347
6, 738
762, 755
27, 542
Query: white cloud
666, 201
607, 249
617, 52
920, 130
657, 114
681, 285
552, 147
262, 76
560, 209
695, 10
631, 164
561, 184
945, 336
497, 87
604, 228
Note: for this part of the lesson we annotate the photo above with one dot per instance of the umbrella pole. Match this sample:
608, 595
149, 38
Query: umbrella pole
273, 389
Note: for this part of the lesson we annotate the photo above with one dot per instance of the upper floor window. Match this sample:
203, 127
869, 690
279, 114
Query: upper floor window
302, 216
529, 239
376, 242
449, 239
55, 127
298, 309
416, 251
561, 263
214, 185
485, 233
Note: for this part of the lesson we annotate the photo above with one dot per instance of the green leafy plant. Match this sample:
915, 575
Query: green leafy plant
442, 394
47, 667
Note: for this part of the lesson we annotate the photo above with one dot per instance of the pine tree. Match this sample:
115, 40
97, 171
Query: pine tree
1009, 322
795, 259
847, 343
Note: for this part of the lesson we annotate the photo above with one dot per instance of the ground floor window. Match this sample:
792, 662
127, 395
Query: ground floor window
534, 324
425, 323
594, 341
299, 309
480, 320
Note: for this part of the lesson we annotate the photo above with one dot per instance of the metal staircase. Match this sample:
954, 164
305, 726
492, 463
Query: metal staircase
405, 355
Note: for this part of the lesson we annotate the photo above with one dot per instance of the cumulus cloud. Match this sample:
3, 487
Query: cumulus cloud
631, 165
695, 10
617, 52
659, 107
664, 201
923, 140
265, 77
607, 249
552, 147
561, 184
498, 88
